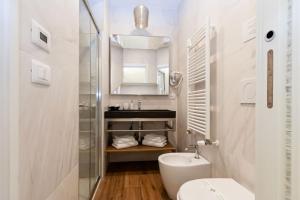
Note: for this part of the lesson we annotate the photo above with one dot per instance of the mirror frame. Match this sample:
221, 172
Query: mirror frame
109, 57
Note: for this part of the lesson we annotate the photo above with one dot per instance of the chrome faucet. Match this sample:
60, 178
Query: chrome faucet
139, 104
196, 149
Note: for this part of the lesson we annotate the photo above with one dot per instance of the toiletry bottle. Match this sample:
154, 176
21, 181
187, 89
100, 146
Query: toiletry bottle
131, 105
125, 106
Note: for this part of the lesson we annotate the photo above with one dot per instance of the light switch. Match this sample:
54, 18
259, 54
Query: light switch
248, 91
40, 73
40, 36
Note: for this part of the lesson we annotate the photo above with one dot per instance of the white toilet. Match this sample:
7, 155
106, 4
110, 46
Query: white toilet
213, 189
178, 168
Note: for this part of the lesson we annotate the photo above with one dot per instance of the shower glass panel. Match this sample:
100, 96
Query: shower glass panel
89, 104
94, 61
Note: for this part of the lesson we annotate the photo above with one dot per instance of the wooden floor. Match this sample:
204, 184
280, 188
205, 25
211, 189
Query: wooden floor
132, 181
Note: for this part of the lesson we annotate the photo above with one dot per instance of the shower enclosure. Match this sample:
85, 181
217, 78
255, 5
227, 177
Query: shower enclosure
89, 103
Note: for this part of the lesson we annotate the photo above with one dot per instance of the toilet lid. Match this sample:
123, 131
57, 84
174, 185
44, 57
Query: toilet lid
201, 190
213, 189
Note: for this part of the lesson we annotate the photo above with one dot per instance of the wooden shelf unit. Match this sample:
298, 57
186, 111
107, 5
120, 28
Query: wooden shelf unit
169, 126
141, 148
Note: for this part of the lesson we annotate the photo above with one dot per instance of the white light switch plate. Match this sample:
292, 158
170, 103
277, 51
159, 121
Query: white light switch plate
248, 91
40, 73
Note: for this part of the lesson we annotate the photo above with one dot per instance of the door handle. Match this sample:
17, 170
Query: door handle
270, 78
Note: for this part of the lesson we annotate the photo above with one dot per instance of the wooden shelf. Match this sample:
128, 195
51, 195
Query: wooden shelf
141, 148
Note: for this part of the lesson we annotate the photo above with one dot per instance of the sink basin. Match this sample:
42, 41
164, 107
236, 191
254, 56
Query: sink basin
140, 114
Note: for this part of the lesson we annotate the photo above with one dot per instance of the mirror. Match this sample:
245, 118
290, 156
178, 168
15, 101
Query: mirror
139, 65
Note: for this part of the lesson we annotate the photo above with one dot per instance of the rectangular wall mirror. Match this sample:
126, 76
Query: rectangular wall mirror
139, 65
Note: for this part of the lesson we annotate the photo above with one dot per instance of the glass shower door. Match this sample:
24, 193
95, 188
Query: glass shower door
89, 104
95, 99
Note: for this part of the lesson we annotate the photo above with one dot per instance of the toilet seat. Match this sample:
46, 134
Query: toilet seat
198, 190
213, 189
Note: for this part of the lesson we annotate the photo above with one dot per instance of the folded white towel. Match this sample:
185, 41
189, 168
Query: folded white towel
159, 140
125, 145
123, 140
154, 136
154, 144
86, 143
84, 147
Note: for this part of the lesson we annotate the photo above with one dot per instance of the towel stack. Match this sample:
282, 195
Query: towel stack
86, 143
125, 141
155, 140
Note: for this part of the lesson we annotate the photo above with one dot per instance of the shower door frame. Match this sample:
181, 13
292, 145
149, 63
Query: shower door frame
98, 116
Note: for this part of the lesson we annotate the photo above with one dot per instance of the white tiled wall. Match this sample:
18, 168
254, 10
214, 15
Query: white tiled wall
232, 123
68, 188
49, 115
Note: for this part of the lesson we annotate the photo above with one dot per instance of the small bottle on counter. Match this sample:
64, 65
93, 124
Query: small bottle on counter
125, 106
131, 105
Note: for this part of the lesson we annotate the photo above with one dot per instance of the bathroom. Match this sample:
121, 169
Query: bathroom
149, 100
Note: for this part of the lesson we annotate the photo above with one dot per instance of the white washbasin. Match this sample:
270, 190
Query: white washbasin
178, 168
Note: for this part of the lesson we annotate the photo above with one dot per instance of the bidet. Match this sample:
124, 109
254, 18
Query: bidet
178, 168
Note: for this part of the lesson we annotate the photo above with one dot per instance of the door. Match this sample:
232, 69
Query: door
277, 142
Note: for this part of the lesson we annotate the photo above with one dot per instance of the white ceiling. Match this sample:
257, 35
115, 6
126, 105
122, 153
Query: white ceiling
163, 14
164, 4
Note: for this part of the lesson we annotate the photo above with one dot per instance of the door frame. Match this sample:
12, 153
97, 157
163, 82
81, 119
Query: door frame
277, 144
296, 101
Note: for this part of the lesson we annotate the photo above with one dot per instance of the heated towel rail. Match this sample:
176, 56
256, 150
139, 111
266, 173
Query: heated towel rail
198, 81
